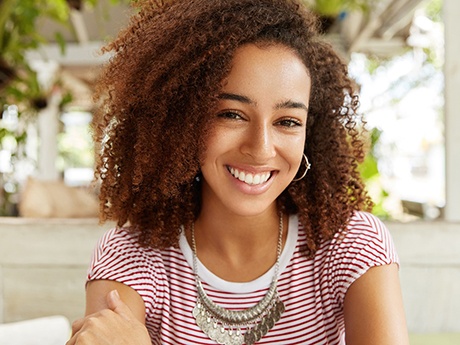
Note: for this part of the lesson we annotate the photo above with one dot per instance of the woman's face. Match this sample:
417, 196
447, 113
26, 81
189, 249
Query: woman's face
256, 143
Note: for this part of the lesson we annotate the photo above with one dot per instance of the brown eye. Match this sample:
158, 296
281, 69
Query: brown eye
290, 123
230, 115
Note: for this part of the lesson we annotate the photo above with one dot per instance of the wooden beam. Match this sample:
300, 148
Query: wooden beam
76, 18
87, 54
372, 23
397, 17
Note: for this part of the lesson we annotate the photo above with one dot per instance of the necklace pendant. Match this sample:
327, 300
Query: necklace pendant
224, 325
196, 311
214, 329
266, 323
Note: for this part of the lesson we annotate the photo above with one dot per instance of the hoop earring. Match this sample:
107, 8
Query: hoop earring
197, 179
307, 167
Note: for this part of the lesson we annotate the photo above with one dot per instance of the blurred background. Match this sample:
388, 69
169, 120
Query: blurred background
405, 57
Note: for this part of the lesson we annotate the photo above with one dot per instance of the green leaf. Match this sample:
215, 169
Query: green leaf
369, 167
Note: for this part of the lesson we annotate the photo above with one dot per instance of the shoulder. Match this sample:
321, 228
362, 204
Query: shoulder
117, 244
120, 256
363, 244
365, 237
118, 238
367, 233
367, 223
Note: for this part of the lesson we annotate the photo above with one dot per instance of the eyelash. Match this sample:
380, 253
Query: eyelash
232, 115
290, 122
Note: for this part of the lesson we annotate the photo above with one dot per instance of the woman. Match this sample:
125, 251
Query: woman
211, 112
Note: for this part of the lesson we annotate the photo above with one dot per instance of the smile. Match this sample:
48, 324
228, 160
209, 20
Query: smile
250, 178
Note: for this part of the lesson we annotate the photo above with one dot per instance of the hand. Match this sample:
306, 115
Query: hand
113, 326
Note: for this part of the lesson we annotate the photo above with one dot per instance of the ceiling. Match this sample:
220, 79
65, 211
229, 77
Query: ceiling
383, 31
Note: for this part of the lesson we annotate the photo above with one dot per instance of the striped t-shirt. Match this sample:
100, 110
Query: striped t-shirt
313, 290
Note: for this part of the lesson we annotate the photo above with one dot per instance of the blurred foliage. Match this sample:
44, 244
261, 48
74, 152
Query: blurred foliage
75, 147
332, 8
433, 10
429, 62
19, 85
18, 25
370, 173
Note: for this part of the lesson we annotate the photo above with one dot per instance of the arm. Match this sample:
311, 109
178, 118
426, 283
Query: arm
373, 309
97, 290
115, 315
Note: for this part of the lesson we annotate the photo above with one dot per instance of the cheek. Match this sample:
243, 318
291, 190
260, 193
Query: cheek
212, 146
295, 151
295, 161
208, 142
293, 145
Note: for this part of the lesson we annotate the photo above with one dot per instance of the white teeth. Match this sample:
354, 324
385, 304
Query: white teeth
251, 179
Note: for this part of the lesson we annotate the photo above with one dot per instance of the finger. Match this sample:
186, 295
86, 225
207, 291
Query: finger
72, 340
77, 325
115, 303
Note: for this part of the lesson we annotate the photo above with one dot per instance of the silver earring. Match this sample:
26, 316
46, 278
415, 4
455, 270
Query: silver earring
307, 167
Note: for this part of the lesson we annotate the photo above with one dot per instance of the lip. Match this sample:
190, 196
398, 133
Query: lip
252, 188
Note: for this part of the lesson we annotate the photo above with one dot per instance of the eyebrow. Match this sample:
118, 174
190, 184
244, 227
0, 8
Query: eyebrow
288, 104
235, 97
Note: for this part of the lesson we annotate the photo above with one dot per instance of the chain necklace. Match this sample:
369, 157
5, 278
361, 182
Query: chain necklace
223, 325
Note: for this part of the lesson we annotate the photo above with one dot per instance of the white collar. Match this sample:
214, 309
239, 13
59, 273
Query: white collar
260, 283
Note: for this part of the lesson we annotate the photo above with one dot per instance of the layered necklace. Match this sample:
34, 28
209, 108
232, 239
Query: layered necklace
225, 326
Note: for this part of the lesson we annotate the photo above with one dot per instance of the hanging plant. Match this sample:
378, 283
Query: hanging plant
20, 94
19, 86
75, 4
6, 74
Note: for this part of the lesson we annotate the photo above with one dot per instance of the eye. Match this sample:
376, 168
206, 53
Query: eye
290, 122
232, 115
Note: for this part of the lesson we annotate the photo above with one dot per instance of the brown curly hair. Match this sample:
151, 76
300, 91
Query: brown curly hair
157, 95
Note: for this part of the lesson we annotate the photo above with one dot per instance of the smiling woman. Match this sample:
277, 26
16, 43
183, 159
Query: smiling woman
211, 114
259, 132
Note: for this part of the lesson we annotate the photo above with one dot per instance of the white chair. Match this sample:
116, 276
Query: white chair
53, 330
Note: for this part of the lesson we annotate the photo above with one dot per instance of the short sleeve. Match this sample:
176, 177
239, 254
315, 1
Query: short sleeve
366, 243
119, 257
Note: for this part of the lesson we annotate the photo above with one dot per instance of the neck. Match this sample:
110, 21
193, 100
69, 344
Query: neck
238, 248
222, 228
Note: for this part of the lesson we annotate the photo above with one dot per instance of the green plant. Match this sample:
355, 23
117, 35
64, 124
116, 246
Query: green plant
371, 175
19, 85
332, 8
21, 96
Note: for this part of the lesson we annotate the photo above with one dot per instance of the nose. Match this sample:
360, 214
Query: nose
259, 142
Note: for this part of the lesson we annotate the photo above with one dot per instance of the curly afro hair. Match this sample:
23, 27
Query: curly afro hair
156, 98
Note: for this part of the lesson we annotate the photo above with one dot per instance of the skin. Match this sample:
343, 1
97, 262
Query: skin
259, 129
373, 309
114, 316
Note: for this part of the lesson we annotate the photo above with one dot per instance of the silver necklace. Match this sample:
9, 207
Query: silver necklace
223, 325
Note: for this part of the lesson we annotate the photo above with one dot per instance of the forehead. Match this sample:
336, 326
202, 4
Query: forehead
270, 69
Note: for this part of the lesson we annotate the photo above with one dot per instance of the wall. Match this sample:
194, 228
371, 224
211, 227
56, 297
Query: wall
43, 266
430, 274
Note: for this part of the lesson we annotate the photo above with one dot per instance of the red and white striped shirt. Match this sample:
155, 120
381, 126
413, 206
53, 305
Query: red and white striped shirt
313, 290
